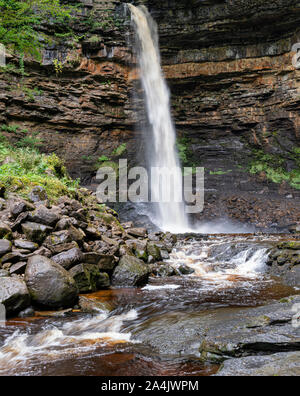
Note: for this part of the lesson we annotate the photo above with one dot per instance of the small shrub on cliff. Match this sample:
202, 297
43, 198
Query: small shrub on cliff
274, 168
21, 169
20, 19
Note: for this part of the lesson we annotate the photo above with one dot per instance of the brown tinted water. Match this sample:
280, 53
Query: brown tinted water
155, 330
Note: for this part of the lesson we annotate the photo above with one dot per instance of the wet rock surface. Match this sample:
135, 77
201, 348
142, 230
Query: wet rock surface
225, 333
89, 278
130, 272
14, 295
5, 247
285, 364
49, 284
284, 262
265, 330
80, 236
230, 72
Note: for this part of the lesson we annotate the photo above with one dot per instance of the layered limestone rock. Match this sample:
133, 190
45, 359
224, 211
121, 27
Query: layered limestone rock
235, 100
235, 97
79, 96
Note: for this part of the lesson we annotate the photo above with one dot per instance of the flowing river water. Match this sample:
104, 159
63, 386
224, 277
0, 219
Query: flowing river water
154, 330
157, 329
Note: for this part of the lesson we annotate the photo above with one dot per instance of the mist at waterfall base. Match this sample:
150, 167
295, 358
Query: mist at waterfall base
170, 216
161, 136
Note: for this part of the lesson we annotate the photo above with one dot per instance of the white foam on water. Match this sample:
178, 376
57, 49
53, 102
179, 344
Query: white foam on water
249, 263
164, 287
74, 337
253, 265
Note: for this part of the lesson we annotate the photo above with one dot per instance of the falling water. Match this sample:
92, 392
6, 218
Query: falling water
170, 215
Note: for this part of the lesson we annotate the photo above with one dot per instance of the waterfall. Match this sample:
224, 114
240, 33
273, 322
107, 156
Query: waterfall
170, 214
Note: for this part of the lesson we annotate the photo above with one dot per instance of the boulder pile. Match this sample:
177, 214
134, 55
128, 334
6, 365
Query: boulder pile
51, 252
284, 261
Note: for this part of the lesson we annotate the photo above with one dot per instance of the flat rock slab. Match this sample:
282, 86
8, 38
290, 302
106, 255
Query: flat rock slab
23, 244
5, 247
263, 330
280, 364
138, 232
224, 333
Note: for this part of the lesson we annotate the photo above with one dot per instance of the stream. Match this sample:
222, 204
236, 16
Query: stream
153, 330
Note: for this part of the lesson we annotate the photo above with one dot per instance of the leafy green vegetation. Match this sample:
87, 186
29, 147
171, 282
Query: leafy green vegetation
119, 150
20, 19
274, 167
23, 167
107, 22
103, 158
12, 129
183, 150
220, 172
32, 93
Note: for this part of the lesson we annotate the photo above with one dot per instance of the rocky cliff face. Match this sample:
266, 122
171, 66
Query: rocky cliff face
235, 98
78, 99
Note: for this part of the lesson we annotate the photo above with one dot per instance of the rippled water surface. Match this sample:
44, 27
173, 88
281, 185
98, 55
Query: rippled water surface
154, 330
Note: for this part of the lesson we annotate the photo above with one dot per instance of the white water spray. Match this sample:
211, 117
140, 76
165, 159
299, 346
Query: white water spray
170, 215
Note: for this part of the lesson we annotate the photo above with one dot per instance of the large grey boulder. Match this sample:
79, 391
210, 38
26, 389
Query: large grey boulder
130, 272
49, 284
14, 294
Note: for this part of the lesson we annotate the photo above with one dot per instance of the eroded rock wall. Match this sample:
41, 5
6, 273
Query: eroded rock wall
235, 97
235, 101
78, 99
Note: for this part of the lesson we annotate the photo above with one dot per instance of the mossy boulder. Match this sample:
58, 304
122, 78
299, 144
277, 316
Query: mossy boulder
58, 238
154, 251
295, 245
131, 272
89, 278
35, 232
5, 231
37, 194
162, 270
185, 269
